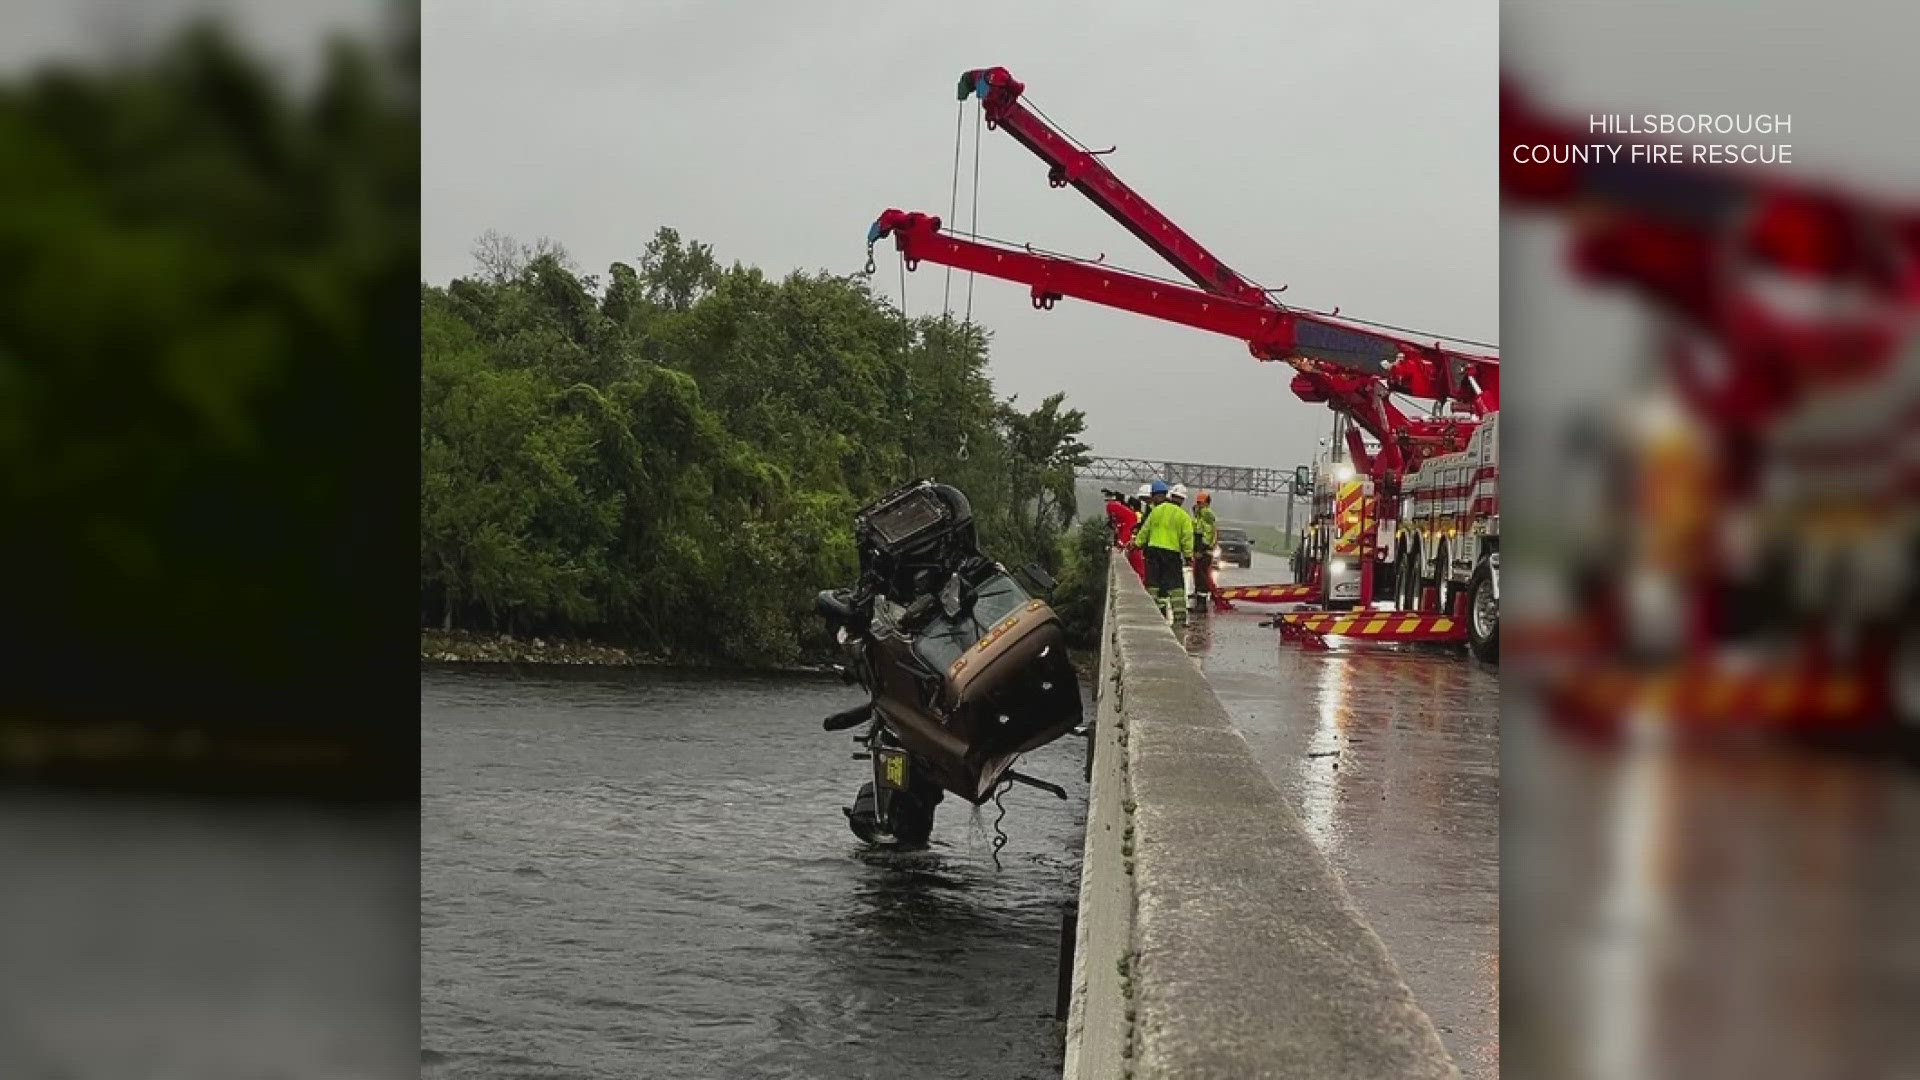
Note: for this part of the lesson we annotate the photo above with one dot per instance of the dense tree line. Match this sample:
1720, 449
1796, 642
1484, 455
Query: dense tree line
670, 457
207, 333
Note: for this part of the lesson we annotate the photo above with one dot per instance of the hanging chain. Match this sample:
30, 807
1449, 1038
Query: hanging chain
999, 834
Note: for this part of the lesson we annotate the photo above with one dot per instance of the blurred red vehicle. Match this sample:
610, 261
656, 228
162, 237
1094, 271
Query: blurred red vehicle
1751, 559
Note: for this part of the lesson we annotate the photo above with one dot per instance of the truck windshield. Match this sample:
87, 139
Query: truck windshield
944, 639
1233, 534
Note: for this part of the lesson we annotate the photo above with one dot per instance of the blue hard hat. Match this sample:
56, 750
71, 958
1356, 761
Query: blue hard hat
1159, 487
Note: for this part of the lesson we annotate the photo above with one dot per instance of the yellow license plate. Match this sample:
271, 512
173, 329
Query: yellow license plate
893, 770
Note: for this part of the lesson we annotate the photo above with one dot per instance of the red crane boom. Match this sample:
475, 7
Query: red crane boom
1353, 369
1349, 369
1069, 165
1418, 370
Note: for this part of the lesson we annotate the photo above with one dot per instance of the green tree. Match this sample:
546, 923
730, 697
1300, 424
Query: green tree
203, 312
672, 460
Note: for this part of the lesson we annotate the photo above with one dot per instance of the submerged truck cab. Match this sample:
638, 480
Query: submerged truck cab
965, 669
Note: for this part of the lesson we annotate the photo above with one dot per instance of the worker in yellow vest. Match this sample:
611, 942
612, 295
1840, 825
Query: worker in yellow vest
1206, 533
1166, 538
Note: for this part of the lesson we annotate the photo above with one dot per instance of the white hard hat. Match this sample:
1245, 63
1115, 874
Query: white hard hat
1179, 492
1145, 490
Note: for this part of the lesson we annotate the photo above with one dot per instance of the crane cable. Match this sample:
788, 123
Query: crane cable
975, 227
1056, 125
953, 211
953, 203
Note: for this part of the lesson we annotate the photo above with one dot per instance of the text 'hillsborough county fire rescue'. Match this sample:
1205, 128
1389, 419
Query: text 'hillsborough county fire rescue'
1696, 153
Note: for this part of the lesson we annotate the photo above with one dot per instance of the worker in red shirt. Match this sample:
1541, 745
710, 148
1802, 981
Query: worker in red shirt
1124, 520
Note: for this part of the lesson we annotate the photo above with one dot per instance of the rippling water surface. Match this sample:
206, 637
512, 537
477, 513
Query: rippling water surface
638, 875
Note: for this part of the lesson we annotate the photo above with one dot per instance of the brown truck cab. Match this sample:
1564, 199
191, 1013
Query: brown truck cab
1005, 686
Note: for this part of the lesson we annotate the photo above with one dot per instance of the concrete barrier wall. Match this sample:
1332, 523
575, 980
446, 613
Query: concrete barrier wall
1214, 940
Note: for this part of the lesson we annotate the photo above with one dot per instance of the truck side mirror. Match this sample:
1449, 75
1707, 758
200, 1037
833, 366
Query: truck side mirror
836, 606
831, 604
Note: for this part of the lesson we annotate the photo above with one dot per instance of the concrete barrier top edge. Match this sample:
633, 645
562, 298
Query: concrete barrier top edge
1251, 958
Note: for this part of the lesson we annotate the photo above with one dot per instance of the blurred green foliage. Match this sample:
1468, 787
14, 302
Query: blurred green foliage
670, 458
1081, 597
207, 337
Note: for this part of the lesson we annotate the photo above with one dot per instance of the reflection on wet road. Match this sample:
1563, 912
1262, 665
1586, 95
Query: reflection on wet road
1391, 756
1716, 912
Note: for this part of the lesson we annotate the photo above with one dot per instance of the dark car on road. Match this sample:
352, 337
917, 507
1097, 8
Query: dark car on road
1234, 547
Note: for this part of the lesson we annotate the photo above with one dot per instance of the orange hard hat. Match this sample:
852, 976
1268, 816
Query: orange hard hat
1203, 497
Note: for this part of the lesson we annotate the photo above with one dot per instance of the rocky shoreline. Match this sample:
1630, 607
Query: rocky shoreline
468, 647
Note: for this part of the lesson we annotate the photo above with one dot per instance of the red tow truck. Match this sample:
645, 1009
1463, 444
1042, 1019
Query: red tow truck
1356, 369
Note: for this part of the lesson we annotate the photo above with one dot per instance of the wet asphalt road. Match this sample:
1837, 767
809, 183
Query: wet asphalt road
1711, 912
1391, 755
219, 940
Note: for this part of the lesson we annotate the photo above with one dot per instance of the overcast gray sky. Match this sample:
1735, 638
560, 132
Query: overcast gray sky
288, 33
1574, 345
1343, 147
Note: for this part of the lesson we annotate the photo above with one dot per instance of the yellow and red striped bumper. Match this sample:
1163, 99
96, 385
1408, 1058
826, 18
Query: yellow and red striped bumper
1289, 593
1311, 628
1706, 696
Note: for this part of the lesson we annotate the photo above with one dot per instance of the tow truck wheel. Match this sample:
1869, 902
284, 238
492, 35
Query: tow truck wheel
1483, 615
1409, 581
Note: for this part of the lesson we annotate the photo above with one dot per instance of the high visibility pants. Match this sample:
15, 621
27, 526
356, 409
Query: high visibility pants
1203, 572
1166, 581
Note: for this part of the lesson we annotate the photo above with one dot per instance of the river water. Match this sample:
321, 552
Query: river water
648, 875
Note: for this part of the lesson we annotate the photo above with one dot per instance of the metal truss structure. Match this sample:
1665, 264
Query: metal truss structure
1240, 478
